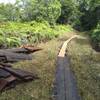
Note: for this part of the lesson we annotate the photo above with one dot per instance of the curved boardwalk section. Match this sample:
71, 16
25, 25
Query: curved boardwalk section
65, 83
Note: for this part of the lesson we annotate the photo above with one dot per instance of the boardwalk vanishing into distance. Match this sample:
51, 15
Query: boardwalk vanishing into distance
65, 82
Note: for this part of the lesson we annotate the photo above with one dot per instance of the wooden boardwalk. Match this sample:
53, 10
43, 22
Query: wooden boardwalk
65, 82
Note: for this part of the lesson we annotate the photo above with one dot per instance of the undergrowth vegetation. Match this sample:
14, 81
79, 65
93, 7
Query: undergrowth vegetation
95, 36
15, 34
85, 63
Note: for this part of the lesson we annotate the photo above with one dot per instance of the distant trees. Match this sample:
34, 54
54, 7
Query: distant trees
28, 10
90, 13
69, 11
81, 14
9, 12
38, 10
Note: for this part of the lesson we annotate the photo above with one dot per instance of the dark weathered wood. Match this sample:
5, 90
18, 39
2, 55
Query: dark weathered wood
18, 50
10, 76
6, 82
6, 56
26, 50
3, 83
17, 54
23, 75
4, 74
5, 64
66, 87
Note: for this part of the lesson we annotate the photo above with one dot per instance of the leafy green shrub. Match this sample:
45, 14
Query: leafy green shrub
95, 36
69, 12
15, 34
48, 10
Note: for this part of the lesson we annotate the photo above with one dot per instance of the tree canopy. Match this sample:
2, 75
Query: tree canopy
79, 13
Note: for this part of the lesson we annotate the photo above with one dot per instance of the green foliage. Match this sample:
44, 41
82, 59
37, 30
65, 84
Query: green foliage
95, 35
48, 10
95, 38
69, 12
90, 13
81, 14
9, 12
13, 41
15, 34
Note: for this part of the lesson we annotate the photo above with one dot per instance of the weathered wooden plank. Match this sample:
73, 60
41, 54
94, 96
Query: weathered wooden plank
71, 90
66, 86
26, 50
23, 75
65, 82
59, 82
6, 56
17, 54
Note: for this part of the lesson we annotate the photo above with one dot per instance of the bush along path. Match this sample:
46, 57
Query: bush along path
65, 82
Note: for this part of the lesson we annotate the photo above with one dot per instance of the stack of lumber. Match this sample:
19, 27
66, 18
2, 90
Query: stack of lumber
9, 76
17, 54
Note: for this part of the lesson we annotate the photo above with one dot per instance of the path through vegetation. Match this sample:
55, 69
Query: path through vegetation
65, 82
43, 63
84, 63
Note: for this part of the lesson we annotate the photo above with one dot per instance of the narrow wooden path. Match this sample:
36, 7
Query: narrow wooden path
65, 83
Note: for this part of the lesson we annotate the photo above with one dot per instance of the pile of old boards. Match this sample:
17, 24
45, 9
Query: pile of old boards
10, 77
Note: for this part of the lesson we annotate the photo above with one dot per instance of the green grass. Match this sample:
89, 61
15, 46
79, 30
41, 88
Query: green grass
85, 63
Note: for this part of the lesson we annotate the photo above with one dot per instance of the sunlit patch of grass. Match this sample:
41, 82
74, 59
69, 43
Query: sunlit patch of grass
85, 63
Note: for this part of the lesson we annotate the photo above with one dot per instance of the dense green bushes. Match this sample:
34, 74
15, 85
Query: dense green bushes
96, 34
69, 12
14, 34
90, 18
95, 37
31, 10
83, 15
42, 10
